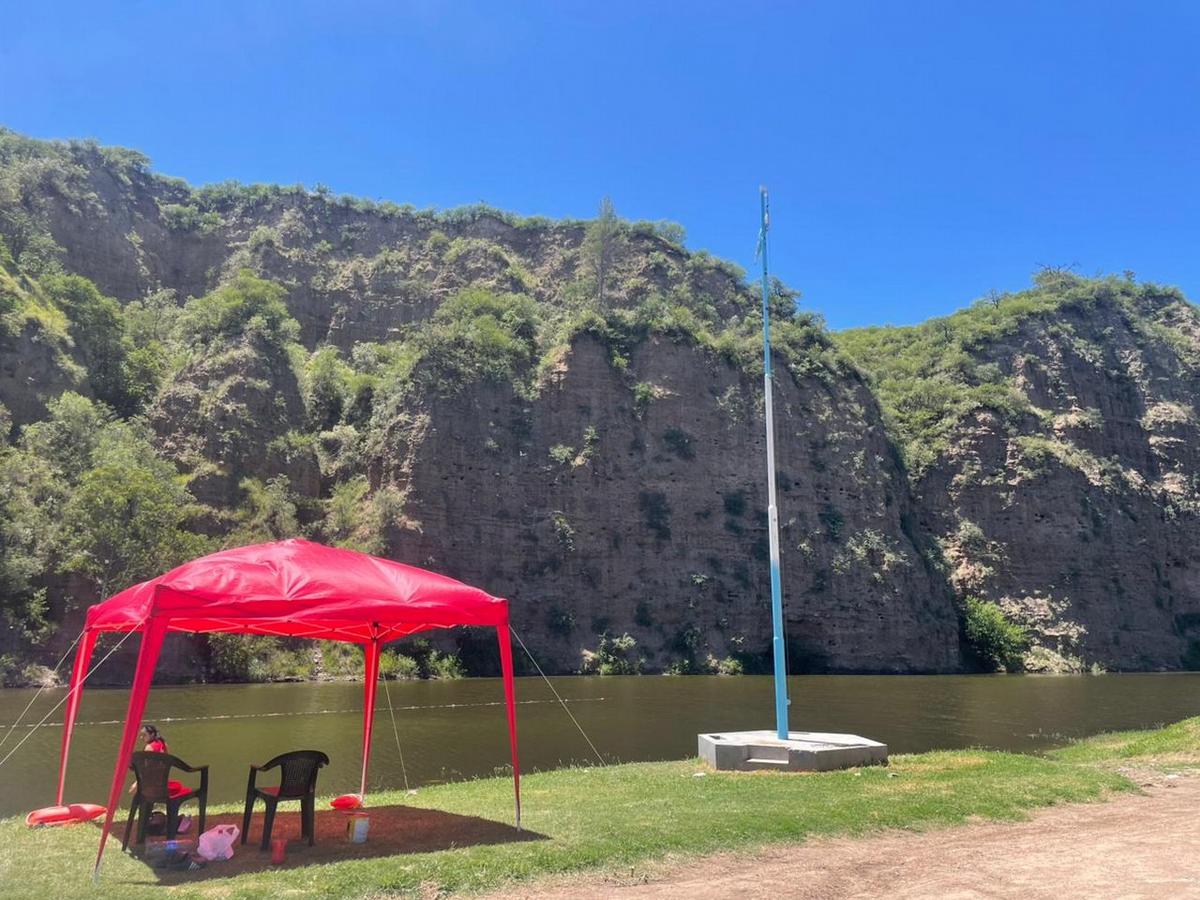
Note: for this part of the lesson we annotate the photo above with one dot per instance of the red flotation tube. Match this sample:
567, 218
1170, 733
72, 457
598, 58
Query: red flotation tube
64, 815
347, 801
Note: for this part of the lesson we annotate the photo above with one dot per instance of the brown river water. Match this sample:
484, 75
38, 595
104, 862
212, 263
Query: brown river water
453, 730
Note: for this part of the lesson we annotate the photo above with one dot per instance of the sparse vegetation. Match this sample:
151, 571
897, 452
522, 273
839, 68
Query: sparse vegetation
679, 442
833, 521
993, 637
559, 621
602, 243
930, 376
614, 655
869, 551
643, 393
563, 531
562, 454
656, 513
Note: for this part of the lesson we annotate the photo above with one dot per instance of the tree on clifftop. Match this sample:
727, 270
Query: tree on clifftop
600, 245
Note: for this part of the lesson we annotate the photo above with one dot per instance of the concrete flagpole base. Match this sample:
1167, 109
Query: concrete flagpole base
804, 751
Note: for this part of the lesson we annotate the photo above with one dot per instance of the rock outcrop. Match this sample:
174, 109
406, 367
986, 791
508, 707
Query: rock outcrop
1067, 495
1080, 519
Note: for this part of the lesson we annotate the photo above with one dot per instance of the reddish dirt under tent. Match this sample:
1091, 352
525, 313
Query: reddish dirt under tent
290, 588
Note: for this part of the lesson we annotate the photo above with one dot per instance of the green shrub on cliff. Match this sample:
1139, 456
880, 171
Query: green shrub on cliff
353, 517
246, 306
326, 388
478, 334
997, 641
614, 655
268, 513
98, 330
188, 217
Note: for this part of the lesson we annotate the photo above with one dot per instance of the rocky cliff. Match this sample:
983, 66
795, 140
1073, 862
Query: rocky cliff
569, 414
1054, 440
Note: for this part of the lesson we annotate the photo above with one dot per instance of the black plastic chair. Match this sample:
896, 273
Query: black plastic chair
297, 781
152, 771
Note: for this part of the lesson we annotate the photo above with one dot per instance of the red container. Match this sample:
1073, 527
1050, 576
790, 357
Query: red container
278, 850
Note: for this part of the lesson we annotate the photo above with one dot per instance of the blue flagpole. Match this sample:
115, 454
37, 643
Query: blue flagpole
781, 696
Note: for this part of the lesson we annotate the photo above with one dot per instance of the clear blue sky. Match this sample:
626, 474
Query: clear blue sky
918, 153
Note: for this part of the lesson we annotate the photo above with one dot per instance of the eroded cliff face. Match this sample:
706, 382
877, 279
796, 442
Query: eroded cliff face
650, 519
226, 416
1080, 519
36, 359
33, 370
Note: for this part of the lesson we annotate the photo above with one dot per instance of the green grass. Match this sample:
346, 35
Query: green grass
620, 820
1172, 745
614, 819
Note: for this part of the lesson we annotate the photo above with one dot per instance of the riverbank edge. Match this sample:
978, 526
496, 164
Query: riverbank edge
624, 821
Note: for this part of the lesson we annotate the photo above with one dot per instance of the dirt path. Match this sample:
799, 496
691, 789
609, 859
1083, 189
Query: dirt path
1139, 846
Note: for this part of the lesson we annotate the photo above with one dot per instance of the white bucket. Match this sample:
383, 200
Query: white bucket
357, 826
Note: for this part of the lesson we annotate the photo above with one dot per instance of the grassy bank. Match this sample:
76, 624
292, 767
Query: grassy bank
456, 838
1169, 747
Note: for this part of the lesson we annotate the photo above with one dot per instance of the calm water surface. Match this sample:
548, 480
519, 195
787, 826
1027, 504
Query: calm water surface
455, 729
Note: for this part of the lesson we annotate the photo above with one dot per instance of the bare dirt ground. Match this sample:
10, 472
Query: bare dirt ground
1135, 846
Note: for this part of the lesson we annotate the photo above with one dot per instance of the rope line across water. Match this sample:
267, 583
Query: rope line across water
315, 712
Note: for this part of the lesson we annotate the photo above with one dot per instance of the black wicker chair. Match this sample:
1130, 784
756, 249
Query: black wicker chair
152, 771
297, 781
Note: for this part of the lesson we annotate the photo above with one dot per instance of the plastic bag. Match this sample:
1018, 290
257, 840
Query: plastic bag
217, 842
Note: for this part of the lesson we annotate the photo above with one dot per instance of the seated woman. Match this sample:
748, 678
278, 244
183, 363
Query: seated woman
155, 743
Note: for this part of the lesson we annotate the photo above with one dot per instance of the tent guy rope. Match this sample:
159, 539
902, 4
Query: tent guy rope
557, 696
33, 729
40, 690
396, 731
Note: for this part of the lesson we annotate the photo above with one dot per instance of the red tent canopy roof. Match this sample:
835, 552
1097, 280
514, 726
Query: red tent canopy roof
297, 588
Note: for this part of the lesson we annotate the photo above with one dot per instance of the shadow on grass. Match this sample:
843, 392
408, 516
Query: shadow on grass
394, 830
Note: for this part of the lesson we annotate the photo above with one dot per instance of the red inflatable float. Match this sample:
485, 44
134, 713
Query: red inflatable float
64, 815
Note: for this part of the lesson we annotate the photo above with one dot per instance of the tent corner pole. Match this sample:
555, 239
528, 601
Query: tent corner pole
154, 630
370, 685
504, 638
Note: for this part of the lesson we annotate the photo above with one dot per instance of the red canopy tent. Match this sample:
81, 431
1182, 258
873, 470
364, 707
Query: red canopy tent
290, 588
